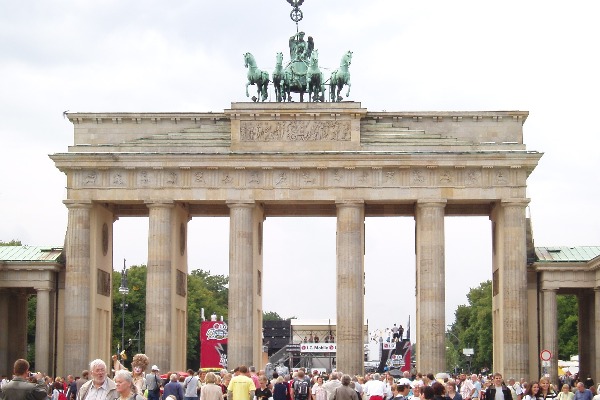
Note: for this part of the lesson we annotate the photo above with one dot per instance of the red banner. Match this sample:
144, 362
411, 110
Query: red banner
213, 344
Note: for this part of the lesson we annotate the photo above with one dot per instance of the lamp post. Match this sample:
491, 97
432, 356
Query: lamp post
124, 290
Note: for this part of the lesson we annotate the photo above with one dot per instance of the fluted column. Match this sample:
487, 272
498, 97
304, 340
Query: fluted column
17, 334
585, 332
241, 284
42, 330
596, 360
550, 335
513, 287
77, 287
350, 286
431, 295
159, 285
5, 367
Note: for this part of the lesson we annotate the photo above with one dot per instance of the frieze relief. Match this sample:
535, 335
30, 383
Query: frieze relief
295, 131
280, 178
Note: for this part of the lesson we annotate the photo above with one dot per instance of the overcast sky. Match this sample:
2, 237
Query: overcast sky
153, 56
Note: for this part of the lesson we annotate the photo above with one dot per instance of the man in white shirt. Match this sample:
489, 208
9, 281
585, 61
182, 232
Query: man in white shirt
332, 384
375, 389
466, 388
100, 387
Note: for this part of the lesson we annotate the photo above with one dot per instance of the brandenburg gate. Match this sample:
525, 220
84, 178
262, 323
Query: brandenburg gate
257, 160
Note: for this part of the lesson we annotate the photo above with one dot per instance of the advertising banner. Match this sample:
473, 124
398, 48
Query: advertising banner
318, 347
213, 344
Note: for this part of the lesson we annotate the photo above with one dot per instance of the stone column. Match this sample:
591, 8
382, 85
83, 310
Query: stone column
42, 330
513, 276
5, 367
241, 284
77, 287
550, 335
431, 282
159, 286
17, 335
596, 347
350, 243
584, 328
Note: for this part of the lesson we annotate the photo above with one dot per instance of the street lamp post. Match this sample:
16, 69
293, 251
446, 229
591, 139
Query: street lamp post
124, 290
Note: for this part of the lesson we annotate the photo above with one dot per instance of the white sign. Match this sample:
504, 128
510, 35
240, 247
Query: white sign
389, 346
545, 355
545, 363
318, 348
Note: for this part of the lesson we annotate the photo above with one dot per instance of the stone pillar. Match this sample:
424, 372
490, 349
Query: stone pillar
241, 284
512, 278
596, 345
350, 242
550, 332
431, 282
17, 335
77, 287
42, 330
5, 363
159, 286
585, 331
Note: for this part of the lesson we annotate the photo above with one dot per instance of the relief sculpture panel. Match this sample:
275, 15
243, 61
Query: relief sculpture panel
295, 131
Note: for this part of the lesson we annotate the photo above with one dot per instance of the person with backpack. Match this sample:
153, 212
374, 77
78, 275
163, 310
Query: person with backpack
301, 386
58, 391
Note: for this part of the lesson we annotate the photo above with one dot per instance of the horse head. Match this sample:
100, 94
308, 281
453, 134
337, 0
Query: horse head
314, 58
279, 58
248, 60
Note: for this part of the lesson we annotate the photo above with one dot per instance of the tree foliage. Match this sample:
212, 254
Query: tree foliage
13, 242
473, 329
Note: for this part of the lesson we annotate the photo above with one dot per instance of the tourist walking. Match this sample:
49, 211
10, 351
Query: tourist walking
100, 387
126, 389
211, 391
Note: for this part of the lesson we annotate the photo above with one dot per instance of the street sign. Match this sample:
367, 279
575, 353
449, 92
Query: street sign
545, 363
545, 355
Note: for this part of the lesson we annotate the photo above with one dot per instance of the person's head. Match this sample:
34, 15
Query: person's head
438, 389
71, 378
262, 380
427, 392
376, 377
346, 380
85, 374
544, 384
580, 387
252, 369
21, 367
430, 377
497, 379
451, 387
114, 357
300, 374
190, 372
243, 369
155, 369
474, 377
566, 388
211, 378
57, 385
416, 391
124, 382
280, 379
533, 389
173, 378
98, 368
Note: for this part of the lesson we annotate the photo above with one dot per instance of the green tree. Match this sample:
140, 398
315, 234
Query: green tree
271, 316
568, 319
13, 242
473, 328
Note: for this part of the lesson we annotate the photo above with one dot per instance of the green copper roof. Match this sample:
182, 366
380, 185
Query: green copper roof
30, 253
567, 254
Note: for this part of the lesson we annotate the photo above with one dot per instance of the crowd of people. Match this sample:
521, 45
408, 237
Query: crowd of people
245, 383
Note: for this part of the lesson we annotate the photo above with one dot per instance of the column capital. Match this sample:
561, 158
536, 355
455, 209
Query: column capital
42, 289
432, 202
240, 203
515, 202
159, 204
597, 290
349, 203
551, 290
78, 203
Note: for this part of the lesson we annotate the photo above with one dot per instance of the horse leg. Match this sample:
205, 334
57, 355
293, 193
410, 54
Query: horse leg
247, 84
349, 85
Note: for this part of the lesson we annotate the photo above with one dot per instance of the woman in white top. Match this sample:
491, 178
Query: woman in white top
318, 392
565, 393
